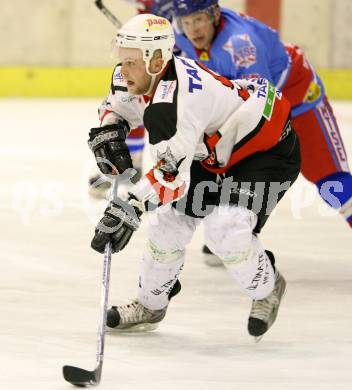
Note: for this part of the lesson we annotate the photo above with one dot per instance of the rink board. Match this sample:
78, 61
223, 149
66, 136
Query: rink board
92, 82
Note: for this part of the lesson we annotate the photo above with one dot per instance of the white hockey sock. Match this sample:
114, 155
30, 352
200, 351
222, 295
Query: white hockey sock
159, 272
254, 273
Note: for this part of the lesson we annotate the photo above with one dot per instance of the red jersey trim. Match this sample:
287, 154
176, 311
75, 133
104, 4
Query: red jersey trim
104, 115
264, 138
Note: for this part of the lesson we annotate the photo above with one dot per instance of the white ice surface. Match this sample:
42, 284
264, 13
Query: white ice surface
50, 279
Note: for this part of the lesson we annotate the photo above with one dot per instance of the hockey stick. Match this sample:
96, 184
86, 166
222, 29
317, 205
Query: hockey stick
113, 19
75, 375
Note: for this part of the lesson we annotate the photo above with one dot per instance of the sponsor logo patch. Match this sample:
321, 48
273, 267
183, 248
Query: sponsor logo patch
313, 93
165, 92
155, 24
118, 76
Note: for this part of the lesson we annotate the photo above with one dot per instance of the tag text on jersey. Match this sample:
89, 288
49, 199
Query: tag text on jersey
268, 91
193, 72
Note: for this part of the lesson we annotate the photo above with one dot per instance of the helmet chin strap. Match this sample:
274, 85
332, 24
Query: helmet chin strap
152, 83
153, 78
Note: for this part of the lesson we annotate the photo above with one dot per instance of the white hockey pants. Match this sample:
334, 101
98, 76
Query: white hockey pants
228, 233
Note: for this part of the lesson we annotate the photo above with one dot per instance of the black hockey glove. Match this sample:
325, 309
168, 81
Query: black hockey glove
108, 143
120, 220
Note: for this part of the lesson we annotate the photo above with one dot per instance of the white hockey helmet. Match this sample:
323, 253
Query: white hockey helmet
149, 33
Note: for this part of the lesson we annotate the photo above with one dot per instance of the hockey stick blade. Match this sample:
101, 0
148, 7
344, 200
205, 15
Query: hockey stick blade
81, 378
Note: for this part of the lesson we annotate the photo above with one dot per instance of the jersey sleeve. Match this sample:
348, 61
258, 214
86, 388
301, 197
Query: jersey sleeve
258, 125
277, 55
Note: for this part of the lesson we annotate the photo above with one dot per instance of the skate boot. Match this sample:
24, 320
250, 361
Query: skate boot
264, 311
99, 186
135, 317
211, 259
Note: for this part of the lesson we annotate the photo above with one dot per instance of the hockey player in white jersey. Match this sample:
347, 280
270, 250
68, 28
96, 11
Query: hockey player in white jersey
223, 153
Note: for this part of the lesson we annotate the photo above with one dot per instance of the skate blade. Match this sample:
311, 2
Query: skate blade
258, 338
139, 328
213, 261
98, 193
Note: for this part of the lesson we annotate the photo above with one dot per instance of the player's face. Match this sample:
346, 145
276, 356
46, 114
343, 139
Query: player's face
199, 29
133, 71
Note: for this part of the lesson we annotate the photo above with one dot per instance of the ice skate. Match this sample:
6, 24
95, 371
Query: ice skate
211, 259
99, 186
134, 317
264, 311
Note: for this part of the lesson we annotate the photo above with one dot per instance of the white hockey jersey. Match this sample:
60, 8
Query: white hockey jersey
197, 114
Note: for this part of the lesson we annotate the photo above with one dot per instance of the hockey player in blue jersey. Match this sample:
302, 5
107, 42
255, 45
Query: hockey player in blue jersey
237, 46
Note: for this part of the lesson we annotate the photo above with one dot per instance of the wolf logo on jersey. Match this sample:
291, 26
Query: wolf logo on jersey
242, 50
168, 164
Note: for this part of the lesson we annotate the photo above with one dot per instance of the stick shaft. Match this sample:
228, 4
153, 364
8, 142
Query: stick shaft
113, 19
104, 303
104, 297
